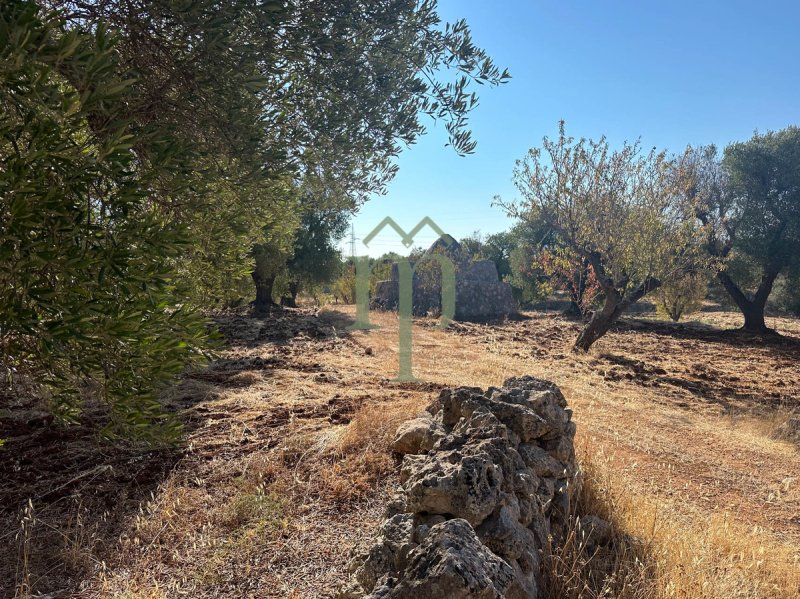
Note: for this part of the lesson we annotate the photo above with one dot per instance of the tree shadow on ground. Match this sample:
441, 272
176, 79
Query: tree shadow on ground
647, 375
785, 345
282, 326
67, 495
79, 491
706, 366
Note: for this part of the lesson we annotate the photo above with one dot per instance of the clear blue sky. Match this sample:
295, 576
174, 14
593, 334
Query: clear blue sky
670, 73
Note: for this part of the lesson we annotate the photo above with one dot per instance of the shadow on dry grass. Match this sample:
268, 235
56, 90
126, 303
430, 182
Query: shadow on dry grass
651, 555
68, 496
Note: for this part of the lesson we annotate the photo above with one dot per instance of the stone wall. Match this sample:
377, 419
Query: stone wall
486, 478
480, 294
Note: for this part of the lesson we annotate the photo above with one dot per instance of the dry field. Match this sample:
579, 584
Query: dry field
681, 431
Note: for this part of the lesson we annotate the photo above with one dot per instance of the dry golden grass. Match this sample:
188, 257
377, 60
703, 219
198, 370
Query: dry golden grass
287, 463
643, 451
654, 552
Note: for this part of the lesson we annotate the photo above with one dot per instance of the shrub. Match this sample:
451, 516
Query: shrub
89, 307
682, 296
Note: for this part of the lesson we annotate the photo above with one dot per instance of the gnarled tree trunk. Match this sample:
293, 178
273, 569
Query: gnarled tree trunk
753, 310
290, 300
615, 302
602, 320
264, 285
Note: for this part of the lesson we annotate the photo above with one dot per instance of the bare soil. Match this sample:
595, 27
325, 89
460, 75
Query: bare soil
286, 462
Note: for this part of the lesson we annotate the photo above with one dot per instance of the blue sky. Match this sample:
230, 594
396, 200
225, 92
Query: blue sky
670, 73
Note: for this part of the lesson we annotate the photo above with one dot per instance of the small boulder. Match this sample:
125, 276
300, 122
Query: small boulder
452, 563
417, 436
596, 530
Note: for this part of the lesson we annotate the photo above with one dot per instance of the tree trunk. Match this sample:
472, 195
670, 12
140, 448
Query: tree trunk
263, 303
753, 310
754, 319
600, 323
614, 304
290, 301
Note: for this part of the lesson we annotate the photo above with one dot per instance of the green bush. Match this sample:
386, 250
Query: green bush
682, 296
89, 307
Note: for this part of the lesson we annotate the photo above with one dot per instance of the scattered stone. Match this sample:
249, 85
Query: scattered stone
595, 530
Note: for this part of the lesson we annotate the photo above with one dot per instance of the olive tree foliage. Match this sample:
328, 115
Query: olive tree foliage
618, 209
749, 203
143, 170
315, 258
90, 306
264, 89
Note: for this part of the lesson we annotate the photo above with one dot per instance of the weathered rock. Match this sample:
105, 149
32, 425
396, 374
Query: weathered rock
542, 463
452, 563
449, 483
417, 436
595, 530
486, 481
479, 292
503, 533
388, 556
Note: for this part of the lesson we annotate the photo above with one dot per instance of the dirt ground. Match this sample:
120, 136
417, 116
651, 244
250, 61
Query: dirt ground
286, 461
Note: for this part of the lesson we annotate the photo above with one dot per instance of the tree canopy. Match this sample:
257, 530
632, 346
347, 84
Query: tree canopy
618, 209
315, 258
749, 202
154, 150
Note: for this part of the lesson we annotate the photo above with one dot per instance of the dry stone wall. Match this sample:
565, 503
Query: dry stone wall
486, 478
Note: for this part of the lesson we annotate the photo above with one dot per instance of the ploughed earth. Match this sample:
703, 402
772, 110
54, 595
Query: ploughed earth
286, 462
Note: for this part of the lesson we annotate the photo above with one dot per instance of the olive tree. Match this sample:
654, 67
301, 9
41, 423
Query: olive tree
155, 151
749, 204
315, 258
618, 209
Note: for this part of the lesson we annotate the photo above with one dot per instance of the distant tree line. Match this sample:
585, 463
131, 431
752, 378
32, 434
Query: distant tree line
610, 227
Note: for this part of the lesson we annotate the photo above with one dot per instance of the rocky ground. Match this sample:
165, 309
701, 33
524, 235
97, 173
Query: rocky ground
287, 459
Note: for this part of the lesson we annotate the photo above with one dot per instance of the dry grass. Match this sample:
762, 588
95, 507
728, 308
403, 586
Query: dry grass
287, 463
703, 495
654, 554
360, 453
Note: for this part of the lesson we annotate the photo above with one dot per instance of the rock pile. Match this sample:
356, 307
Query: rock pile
486, 479
480, 294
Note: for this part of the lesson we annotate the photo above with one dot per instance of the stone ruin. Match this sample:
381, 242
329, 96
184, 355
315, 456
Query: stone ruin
486, 484
480, 294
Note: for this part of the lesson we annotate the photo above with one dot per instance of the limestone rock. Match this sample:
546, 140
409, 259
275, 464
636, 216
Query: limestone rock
542, 463
466, 487
417, 436
487, 480
596, 530
452, 563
